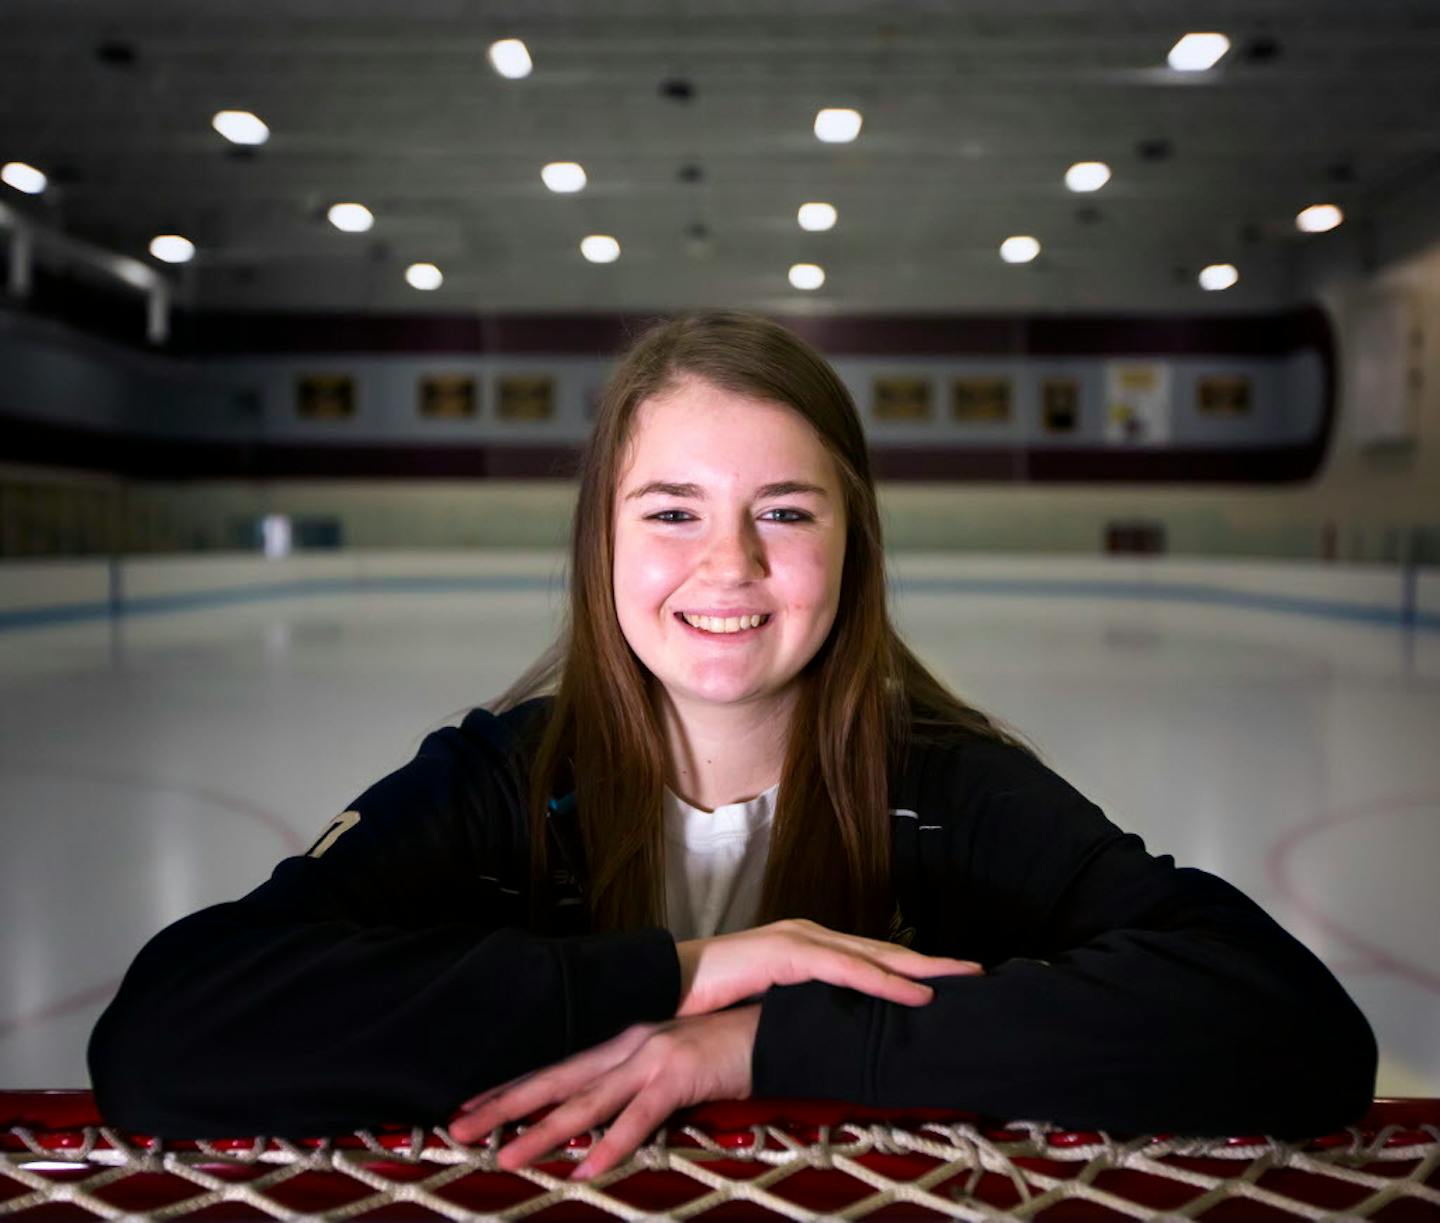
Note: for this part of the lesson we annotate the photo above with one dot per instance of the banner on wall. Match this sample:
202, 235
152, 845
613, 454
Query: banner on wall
1137, 402
1223, 395
449, 396
325, 396
1060, 404
1387, 370
980, 400
526, 397
902, 399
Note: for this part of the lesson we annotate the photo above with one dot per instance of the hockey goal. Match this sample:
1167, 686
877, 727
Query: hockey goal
759, 1160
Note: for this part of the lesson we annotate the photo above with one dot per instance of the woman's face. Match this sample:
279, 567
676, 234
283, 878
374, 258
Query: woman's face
727, 507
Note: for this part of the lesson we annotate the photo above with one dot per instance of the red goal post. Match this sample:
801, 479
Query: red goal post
756, 1160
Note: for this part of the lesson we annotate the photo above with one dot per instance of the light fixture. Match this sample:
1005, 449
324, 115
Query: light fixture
600, 248
424, 276
1087, 176
240, 127
134, 273
1218, 276
1319, 218
807, 275
510, 58
352, 218
172, 248
23, 177
1020, 249
816, 217
837, 124
1197, 52
564, 177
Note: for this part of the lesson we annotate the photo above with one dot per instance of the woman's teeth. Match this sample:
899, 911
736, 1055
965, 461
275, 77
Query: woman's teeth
730, 624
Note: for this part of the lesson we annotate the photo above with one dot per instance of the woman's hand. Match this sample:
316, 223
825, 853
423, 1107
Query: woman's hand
644, 1075
717, 972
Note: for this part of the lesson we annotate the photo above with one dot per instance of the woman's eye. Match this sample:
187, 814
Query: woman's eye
680, 516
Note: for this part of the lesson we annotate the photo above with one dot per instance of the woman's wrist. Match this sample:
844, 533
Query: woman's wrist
688, 954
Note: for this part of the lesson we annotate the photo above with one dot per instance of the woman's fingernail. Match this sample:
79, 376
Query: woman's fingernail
582, 1170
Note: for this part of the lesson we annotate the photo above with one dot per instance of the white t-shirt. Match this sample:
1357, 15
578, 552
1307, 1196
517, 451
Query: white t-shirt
715, 864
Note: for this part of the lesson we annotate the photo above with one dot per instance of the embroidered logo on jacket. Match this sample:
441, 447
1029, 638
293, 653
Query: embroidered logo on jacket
337, 828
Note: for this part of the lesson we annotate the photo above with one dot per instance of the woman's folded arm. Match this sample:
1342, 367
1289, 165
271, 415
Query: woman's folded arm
372, 979
1121, 992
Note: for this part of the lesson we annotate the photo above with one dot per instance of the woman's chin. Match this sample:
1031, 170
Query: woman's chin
735, 691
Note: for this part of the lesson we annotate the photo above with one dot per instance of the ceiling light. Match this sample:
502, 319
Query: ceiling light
807, 275
837, 125
352, 218
1087, 176
817, 217
600, 248
132, 271
1218, 276
1020, 249
1197, 52
23, 178
1318, 218
423, 276
172, 248
564, 177
240, 127
510, 58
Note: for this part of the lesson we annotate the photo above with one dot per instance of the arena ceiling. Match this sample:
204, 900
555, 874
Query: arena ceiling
693, 121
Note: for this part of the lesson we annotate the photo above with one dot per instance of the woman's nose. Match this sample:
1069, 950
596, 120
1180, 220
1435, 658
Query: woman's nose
736, 552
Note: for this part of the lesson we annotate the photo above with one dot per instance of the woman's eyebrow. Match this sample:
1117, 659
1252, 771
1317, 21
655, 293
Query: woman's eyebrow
781, 488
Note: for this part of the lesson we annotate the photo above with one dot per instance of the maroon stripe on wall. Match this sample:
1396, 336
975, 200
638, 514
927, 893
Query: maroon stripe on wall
163, 458
1059, 465
145, 458
851, 335
252, 334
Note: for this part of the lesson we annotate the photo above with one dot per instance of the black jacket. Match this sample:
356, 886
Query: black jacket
393, 975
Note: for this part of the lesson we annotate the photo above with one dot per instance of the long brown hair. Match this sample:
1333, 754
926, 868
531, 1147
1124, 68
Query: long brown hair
862, 698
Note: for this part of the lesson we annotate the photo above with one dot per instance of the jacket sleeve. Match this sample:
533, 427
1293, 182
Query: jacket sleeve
370, 980
1121, 992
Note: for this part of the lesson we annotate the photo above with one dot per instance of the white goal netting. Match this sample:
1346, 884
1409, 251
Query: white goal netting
727, 1168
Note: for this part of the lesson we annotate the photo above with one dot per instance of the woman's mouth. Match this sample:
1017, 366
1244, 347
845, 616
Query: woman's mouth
724, 626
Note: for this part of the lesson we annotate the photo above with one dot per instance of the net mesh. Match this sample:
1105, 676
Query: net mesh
774, 1161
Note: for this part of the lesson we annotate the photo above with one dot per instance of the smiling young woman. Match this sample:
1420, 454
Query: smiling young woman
727, 837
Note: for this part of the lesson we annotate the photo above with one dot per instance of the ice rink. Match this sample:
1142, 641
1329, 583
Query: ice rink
159, 762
